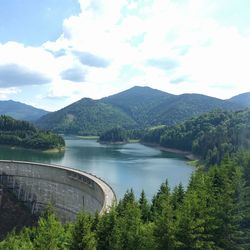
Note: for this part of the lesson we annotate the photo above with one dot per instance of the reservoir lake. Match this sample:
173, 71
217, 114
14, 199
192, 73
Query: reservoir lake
131, 165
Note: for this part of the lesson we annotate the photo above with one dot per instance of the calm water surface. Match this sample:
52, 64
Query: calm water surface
122, 166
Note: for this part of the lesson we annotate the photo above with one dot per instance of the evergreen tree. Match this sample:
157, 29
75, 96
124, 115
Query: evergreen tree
17, 242
82, 235
159, 200
228, 188
106, 230
165, 227
195, 220
147, 240
177, 196
128, 224
50, 233
144, 206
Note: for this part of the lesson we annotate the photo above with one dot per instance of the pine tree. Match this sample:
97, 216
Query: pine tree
50, 233
195, 217
128, 224
159, 199
82, 235
17, 242
177, 196
106, 230
228, 188
144, 206
165, 227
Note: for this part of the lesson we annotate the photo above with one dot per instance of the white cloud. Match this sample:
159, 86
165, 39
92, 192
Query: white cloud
6, 92
146, 38
33, 58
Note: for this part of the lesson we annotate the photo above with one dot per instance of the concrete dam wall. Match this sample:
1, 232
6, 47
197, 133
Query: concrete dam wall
68, 190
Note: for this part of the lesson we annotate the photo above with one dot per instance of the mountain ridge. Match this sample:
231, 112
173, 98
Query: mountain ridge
83, 118
21, 111
137, 107
243, 98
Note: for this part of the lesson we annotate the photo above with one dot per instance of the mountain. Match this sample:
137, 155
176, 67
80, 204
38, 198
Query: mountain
20, 110
138, 107
86, 117
137, 102
243, 99
181, 107
149, 107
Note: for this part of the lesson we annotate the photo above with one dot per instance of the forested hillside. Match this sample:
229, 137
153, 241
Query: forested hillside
180, 108
135, 108
211, 135
24, 134
213, 213
21, 111
114, 135
137, 102
86, 117
243, 99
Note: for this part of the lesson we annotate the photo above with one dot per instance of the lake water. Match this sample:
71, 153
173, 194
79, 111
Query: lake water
122, 166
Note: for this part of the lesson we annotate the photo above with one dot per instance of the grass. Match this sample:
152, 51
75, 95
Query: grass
134, 141
89, 137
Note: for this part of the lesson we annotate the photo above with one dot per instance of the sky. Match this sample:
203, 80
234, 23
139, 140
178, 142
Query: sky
55, 52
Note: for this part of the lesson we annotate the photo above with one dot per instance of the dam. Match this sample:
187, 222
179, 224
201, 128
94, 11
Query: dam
68, 190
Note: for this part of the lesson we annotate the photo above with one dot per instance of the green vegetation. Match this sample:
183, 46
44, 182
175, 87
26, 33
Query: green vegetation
137, 103
210, 136
135, 108
149, 107
24, 134
114, 135
86, 117
88, 137
213, 213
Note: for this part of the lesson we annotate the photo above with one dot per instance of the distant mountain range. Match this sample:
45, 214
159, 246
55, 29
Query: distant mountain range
138, 107
21, 111
243, 99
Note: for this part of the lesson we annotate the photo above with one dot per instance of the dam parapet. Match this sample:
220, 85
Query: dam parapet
68, 190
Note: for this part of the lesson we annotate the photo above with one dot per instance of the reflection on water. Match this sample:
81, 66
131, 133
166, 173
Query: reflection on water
122, 166
8, 153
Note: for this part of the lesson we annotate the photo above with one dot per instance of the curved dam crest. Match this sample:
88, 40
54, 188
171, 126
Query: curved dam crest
68, 190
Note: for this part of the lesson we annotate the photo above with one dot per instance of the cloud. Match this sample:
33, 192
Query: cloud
58, 53
163, 63
92, 60
157, 43
13, 75
179, 80
123, 43
76, 74
5, 92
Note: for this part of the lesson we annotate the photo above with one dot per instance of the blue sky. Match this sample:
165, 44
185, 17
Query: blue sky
54, 52
34, 22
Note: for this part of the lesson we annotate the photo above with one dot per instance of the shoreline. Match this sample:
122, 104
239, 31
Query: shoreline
188, 155
112, 143
47, 151
53, 150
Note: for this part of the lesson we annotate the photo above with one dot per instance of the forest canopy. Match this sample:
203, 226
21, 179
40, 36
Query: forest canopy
24, 134
114, 135
211, 136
